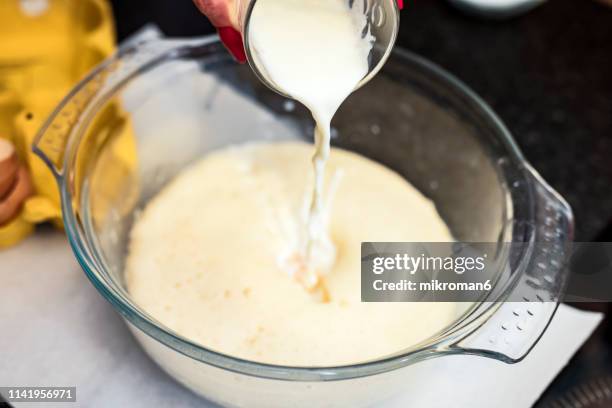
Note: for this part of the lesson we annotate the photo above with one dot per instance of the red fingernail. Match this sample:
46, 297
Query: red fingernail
233, 41
400, 3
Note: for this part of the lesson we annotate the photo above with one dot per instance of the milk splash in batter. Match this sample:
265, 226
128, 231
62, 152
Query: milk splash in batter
317, 52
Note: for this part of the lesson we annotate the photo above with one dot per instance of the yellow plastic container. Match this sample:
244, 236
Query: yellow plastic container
46, 47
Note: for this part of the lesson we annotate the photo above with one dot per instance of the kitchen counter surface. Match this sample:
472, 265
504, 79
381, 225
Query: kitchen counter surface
66, 334
548, 74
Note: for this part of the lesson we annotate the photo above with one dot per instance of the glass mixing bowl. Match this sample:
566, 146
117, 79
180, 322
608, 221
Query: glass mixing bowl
159, 105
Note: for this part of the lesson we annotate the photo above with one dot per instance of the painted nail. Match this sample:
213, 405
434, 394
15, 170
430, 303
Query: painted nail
233, 42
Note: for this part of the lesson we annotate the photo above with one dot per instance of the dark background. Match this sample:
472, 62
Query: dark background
548, 74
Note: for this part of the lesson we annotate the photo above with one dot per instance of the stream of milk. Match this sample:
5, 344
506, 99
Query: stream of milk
315, 51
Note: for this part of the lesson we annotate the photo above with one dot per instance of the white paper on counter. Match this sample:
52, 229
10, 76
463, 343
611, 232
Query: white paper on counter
58, 331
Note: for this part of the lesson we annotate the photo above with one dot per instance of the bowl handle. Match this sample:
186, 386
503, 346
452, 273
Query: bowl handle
514, 328
52, 138
141, 51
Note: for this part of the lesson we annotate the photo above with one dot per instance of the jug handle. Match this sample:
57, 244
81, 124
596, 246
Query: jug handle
136, 54
512, 329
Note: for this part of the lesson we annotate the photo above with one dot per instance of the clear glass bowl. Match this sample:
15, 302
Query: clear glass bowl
160, 104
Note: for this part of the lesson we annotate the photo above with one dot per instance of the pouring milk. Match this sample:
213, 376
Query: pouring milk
317, 52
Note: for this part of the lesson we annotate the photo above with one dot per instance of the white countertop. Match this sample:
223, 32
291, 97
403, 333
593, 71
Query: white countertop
58, 331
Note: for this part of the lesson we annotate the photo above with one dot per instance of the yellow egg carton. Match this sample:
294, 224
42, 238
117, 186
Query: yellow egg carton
47, 46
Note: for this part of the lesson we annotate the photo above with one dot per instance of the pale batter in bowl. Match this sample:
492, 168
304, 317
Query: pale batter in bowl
208, 257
